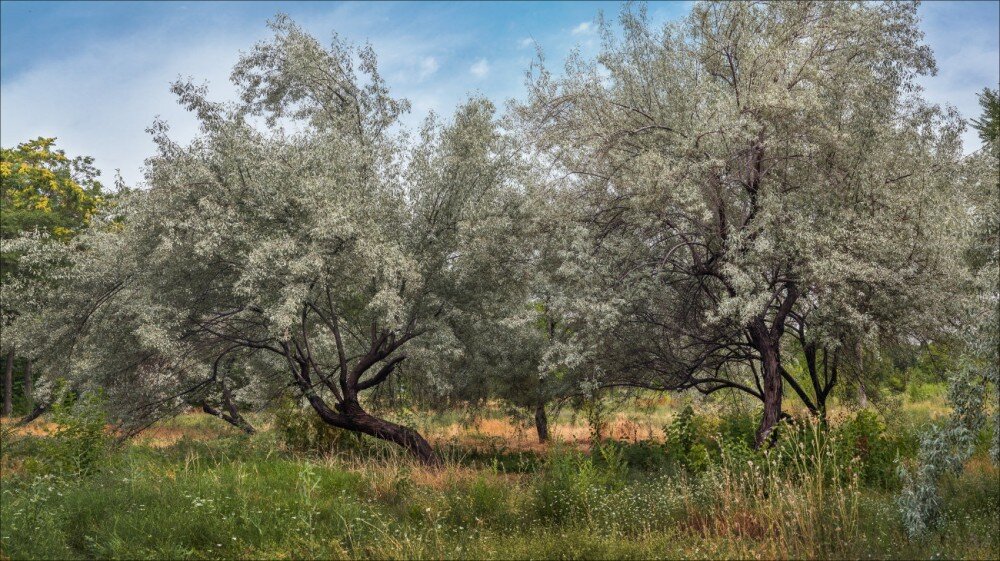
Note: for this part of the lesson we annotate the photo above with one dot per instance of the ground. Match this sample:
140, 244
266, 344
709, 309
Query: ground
192, 487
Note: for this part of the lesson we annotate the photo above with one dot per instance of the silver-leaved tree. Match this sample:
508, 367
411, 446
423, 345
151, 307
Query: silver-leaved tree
297, 244
755, 170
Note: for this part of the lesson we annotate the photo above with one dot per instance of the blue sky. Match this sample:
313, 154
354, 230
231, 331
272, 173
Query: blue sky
95, 74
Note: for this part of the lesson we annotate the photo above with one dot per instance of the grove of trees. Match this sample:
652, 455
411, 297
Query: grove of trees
753, 199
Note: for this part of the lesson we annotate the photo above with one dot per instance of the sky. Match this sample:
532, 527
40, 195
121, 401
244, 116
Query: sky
96, 74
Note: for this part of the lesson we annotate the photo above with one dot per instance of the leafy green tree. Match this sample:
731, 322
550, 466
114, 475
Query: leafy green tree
974, 383
41, 190
988, 124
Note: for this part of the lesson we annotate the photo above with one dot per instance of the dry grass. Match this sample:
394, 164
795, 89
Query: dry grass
495, 433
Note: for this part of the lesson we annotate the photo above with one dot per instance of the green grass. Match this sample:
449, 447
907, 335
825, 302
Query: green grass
238, 497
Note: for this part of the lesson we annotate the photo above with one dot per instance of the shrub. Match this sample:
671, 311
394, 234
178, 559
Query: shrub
684, 444
572, 484
79, 444
646, 455
918, 391
738, 427
863, 438
302, 430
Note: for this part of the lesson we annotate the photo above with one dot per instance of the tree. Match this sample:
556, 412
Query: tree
975, 381
296, 237
988, 125
41, 190
755, 170
508, 359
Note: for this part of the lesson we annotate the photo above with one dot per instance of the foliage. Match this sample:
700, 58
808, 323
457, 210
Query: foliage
988, 124
301, 432
79, 444
242, 498
684, 444
974, 383
755, 170
944, 449
331, 256
865, 440
46, 190
572, 483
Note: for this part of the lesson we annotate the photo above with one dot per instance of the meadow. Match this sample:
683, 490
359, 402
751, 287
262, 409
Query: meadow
652, 480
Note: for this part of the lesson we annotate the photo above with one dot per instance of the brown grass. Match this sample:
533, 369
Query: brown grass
502, 433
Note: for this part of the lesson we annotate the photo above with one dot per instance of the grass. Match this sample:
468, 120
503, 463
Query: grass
195, 489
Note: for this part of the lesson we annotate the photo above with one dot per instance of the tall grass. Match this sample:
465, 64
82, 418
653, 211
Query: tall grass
240, 497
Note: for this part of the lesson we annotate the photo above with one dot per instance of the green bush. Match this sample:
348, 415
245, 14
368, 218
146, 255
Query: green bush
572, 484
685, 444
79, 445
863, 439
302, 430
738, 428
646, 455
918, 391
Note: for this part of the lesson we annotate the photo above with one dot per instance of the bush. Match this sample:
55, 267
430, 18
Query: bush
926, 391
738, 428
645, 455
863, 438
79, 445
302, 430
685, 445
572, 484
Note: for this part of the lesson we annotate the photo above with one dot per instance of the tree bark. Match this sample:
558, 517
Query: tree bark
772, 386
8, 384
767, 341
359, 420
238, 421
541, 423
29, 397
349, 414
34, 414
352, 417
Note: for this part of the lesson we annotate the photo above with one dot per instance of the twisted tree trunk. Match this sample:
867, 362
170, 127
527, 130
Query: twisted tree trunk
232, 415
351, 416
34, 414
767, 340
8, 385
238, 421
772, 387
29, 397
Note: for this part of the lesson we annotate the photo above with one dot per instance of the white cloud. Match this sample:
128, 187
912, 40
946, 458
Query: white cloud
429, 65
968, 59
98, 101
481, 68
98, 112
526, 42
584, 28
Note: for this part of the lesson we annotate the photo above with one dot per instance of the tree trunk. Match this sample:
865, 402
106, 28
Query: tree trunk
29, 397
862, 394
8, 384
351, 416
541, 423
34, 414
406, 437
238, 421
772, 387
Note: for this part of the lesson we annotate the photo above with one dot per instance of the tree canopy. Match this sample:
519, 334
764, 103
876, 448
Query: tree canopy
753, 198
754, 170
